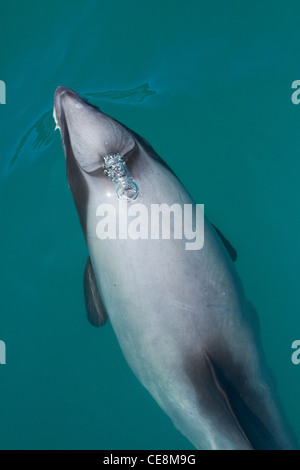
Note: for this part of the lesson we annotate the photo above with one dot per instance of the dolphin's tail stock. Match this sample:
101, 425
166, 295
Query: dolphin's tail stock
250, 407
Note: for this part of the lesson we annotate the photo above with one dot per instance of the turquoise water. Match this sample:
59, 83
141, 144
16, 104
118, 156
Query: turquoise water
209, 85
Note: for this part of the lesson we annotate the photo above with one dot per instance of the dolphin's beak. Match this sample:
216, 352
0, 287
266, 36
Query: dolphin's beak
58, 109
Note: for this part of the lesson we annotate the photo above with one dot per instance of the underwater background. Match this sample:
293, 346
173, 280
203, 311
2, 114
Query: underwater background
209, 85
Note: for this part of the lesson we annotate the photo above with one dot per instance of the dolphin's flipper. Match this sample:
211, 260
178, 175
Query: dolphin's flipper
232, 252
95, 309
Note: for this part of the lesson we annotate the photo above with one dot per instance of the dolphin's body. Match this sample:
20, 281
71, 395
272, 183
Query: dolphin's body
180, 316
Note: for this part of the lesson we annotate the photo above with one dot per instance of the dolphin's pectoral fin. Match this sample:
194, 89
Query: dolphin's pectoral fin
232, 252
248, 422
95, 309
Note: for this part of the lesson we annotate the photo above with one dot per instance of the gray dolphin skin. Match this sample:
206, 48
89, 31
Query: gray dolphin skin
180, 315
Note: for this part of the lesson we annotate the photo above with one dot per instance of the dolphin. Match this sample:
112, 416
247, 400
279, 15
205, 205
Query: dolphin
180, 315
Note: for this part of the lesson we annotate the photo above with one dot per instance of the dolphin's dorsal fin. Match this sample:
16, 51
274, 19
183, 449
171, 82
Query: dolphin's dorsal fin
232, 252
223, 392
95, 309
248, 421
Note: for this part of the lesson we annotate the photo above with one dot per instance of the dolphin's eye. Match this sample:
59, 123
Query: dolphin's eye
115, 168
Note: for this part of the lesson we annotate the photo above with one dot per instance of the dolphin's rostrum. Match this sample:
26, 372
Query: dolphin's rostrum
181, 317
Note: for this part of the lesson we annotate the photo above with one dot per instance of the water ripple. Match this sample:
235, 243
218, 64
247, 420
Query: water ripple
37, 137
133, 95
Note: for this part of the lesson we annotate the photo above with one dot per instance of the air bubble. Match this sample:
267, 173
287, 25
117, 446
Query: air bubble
127, 192
115, 168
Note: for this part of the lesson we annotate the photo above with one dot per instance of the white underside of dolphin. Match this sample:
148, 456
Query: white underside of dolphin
180, 316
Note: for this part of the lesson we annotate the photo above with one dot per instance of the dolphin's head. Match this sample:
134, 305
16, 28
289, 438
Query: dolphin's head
91, 133
101, 153
97, 149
